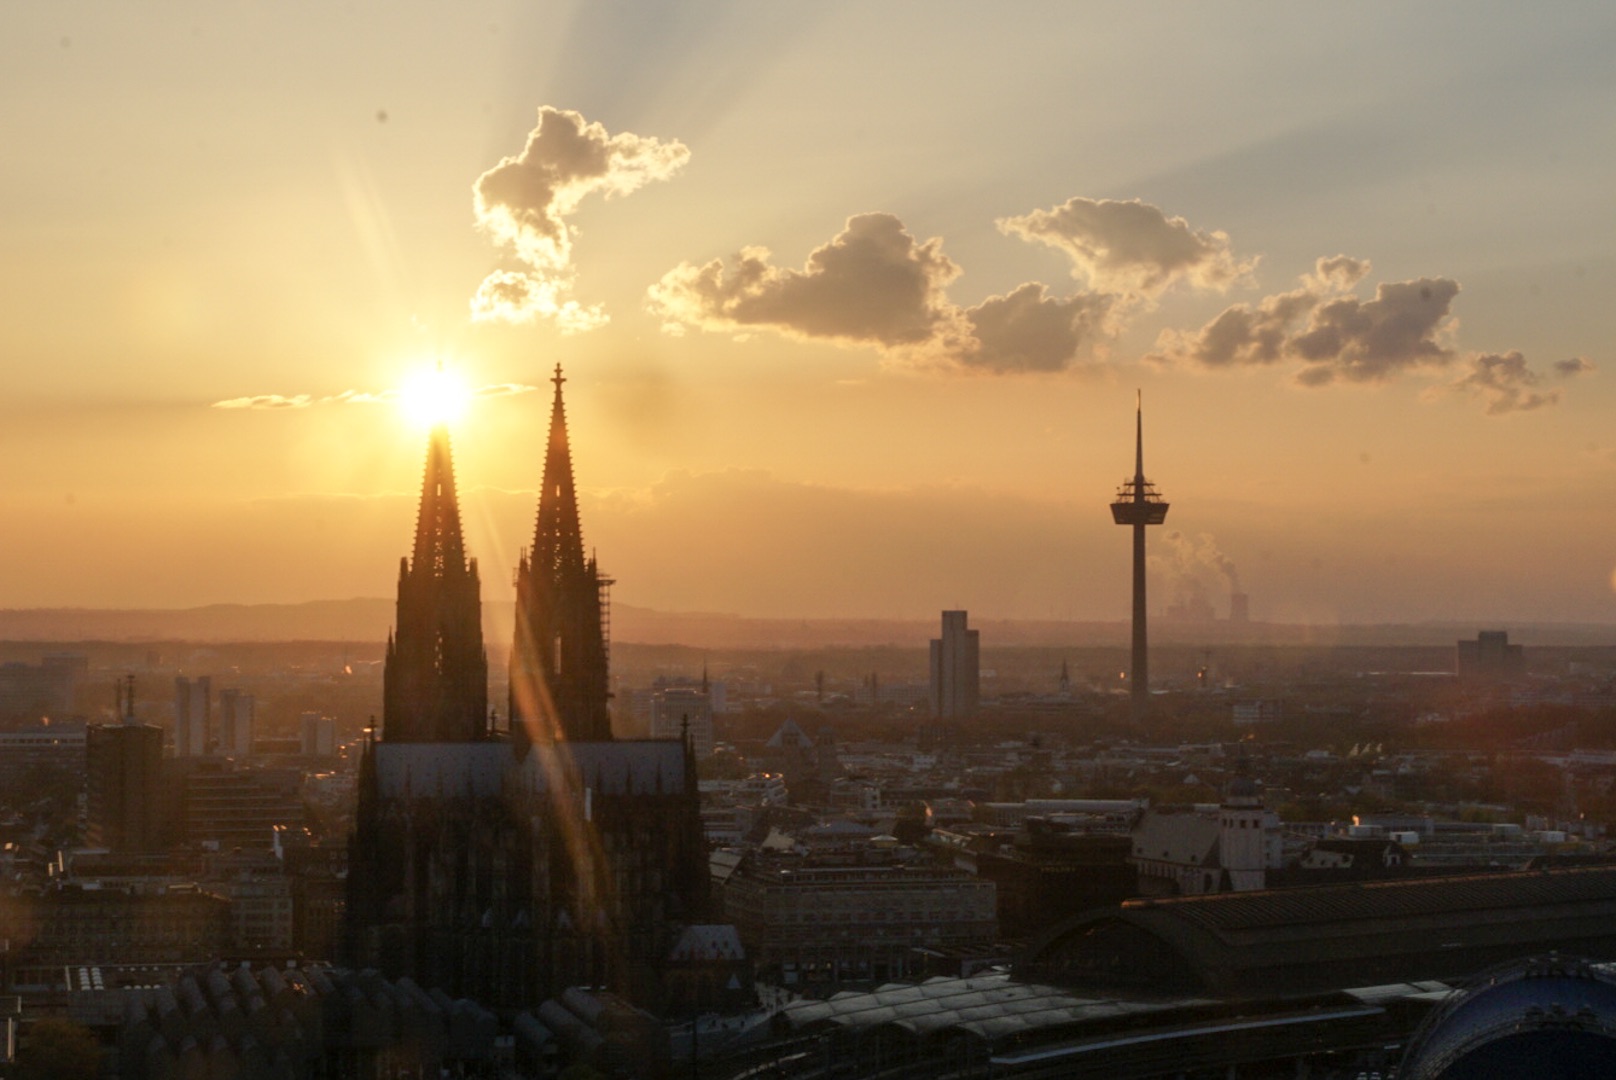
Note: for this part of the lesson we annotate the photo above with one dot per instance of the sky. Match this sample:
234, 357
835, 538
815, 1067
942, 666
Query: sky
853, 300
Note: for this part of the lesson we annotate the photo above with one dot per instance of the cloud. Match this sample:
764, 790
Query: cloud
265, 401
1576, 365
1258, 334
1028, 330
1131, 248
524, 202
1505, 382
1335, 335
874, 284
352, 397
1368, 341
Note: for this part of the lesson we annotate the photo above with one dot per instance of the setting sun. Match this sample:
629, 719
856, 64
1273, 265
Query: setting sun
433, 397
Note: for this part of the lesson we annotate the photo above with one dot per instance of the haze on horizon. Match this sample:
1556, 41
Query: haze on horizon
852, 300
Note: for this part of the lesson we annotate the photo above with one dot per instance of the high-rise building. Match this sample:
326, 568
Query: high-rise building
235, 723
126, 803
1139, 504
680, 710
955, 668
318, 735
193, 716
435, 676
558, 654
504, 866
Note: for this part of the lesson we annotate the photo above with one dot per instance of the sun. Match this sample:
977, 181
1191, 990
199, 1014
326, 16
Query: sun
434, 397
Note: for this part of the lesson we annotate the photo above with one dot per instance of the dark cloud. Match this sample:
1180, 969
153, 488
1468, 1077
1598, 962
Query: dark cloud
1505, 382
524, 202
1261, 333
1336, 336
1131, 248
1576, 365
874, 284
1367, 341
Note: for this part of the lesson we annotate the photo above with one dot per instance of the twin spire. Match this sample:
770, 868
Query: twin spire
435, 680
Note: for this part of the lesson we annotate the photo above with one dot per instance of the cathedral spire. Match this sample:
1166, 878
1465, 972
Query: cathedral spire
558, 655
439, 546
435, 683
558, 540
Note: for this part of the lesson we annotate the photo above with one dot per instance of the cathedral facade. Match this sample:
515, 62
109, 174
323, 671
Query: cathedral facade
505, 865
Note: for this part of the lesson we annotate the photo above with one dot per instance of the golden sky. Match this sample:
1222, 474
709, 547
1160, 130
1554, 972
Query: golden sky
852, 299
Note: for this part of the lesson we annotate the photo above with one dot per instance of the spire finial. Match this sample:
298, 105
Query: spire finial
558, 379
1139, 436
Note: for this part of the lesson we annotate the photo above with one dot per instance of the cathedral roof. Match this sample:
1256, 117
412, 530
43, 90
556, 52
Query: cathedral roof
491, 769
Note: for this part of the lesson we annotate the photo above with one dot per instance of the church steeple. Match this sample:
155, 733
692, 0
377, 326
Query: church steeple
558, 655
435, 683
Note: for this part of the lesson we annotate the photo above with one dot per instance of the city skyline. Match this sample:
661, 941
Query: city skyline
1369, 335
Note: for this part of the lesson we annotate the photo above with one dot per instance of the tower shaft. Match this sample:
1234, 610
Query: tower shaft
1139, 504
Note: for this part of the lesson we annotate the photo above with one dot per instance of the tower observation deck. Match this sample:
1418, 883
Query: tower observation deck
1139, 504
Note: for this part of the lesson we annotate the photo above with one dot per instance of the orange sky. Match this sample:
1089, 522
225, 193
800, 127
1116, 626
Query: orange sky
983, 231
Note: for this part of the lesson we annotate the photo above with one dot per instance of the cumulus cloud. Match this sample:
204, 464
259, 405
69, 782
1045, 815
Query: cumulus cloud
352, 397
1505, 383
874, 284
524, 203
1131, 248
1335, 335
1576, 365
871, 284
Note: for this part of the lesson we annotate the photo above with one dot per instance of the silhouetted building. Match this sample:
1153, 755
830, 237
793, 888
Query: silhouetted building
193, 716
235, 723
435, 676
225, 806
125, 786
558, 654
1490, 656
505, 867
28, 692
676, 710
1139, 504
956, 680
319, 735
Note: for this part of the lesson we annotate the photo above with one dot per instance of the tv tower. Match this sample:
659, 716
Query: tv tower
1138, 503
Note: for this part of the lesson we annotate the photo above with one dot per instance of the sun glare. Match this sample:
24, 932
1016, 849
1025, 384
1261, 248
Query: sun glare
433, 397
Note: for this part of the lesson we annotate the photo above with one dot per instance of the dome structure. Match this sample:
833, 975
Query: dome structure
1548, 1016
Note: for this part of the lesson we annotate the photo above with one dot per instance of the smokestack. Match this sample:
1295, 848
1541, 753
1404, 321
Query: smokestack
1239, 607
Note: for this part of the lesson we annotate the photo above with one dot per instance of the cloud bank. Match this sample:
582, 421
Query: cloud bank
874, 284
524, 203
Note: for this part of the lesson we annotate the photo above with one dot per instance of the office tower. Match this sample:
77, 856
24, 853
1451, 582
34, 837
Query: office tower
235, 723
955, 668
435, 678
193, 716
124, 782
558, 654
1139, 504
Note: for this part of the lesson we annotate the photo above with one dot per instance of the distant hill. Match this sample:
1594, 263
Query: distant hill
369, 619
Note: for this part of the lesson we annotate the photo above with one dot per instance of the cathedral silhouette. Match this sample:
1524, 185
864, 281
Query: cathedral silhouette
506, 865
